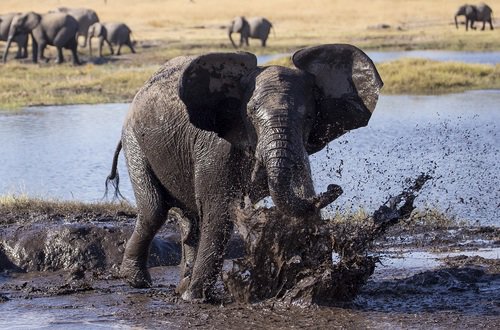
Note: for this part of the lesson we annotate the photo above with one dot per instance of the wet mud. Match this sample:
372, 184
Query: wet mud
62, 270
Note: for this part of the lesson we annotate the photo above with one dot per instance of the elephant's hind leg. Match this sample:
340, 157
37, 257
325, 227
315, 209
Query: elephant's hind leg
152, 210
129, 44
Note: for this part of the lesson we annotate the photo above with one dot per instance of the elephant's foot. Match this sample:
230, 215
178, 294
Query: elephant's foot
134, 275
196, 295
183, 286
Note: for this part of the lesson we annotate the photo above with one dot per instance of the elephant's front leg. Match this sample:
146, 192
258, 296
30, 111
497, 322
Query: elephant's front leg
101, 42
60, 57
41, 51
110, 47
215, 231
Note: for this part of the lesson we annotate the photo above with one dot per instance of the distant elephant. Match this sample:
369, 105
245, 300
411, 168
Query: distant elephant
255, 27
112, 33
56, 29
481, 13
85, 17
21, 39
207, 132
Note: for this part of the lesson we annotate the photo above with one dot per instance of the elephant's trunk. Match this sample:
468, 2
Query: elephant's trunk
456, 22
6, 51
288, 173
230, 32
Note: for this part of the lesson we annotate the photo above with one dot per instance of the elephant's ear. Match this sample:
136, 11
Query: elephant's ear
348, 85
238, 23
212, 90
96, 30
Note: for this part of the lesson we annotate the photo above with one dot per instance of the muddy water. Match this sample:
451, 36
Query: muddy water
65, 153
413, 287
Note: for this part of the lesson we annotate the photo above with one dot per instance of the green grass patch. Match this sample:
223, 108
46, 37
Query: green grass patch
420, 76
24, 84
27, 84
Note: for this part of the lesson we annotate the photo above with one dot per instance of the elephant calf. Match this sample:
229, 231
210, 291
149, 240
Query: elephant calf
255, 27
473, 13
207, 132
111, 33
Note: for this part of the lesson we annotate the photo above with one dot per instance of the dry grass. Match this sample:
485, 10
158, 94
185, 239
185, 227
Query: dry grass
296, 22
421, 76
418, 76
23, 85
167, 28
27, 205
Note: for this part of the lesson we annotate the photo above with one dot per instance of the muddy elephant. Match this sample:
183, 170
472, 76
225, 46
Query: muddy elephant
207, 134
473, 13
21, 39
111, 33
255, 27
56, 29
85, 17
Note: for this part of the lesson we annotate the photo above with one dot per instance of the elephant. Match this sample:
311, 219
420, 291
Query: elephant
56, 29
472, 13
21, 39
255, 27
85, 17
112, 33
207, 134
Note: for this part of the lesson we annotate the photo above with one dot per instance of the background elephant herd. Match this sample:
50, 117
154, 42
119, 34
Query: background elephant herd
61, 28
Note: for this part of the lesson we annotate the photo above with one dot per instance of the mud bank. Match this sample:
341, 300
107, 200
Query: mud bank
61, 270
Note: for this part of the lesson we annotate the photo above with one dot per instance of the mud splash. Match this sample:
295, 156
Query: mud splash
290, 259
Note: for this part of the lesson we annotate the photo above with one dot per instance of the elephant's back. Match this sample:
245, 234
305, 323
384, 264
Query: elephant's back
117, 32
58, 21
158, 99
484, 11
259, 26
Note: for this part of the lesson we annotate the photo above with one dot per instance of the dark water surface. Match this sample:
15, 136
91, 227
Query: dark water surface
65, 152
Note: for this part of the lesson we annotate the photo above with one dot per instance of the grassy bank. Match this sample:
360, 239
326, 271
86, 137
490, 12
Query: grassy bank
21, 205
419, 76
24, 85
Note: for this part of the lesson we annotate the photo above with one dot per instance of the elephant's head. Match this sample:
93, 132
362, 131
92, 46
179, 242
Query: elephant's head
95, 30
21, 24
238, 25
281, 115
469, 11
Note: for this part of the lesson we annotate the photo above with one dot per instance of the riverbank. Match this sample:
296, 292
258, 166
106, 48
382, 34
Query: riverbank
173, 28
25, 85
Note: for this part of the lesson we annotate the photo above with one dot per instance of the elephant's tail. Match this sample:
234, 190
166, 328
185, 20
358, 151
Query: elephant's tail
114, 178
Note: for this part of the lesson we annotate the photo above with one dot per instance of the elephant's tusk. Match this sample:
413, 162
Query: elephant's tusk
329, 196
